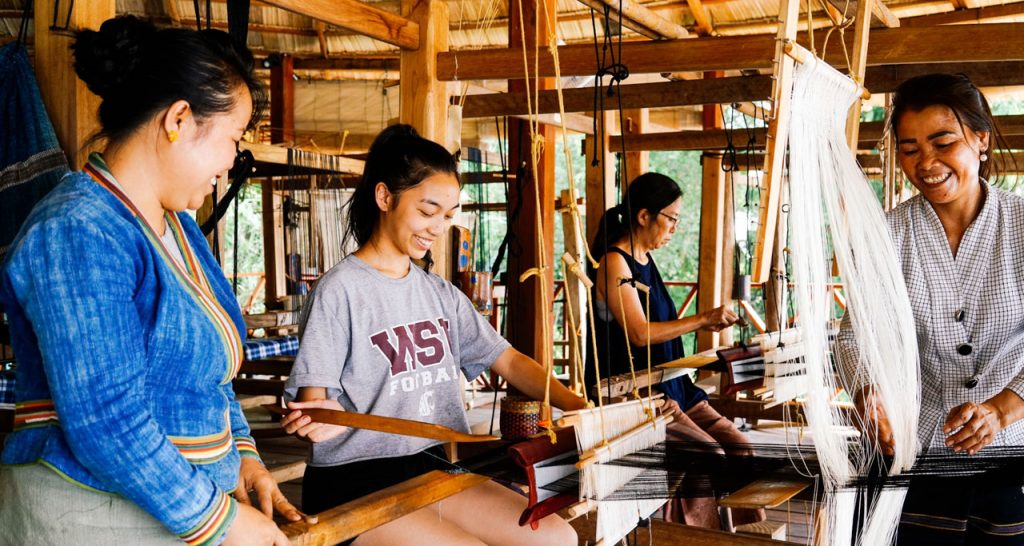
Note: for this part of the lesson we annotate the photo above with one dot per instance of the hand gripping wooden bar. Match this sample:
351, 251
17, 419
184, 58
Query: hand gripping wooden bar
390, 425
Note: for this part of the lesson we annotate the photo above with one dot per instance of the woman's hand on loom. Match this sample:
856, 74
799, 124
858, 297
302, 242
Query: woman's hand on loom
971, 426
874, 422
253, 477
303, 426
252, 528
718, 318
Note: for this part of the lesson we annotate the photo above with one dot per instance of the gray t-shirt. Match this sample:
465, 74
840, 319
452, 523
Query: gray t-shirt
390, 347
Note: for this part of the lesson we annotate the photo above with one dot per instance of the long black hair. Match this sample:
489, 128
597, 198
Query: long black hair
401, 159
958, 93
651, 192
139, 70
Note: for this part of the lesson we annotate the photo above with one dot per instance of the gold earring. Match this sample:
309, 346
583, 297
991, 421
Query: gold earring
172, 136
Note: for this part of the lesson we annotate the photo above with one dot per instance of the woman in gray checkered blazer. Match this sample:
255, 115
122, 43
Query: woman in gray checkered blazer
962, 249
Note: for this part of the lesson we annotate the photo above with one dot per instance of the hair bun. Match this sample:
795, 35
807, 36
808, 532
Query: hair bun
105, 59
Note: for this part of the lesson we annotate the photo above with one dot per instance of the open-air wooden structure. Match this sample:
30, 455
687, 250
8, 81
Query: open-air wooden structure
340, 70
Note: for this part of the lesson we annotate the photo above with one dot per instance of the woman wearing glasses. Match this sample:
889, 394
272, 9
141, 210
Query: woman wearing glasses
628, 232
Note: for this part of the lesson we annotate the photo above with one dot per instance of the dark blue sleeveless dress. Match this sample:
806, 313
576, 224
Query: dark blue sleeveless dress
611, 341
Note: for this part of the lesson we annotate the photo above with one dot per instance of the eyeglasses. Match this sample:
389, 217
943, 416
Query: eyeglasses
672, 219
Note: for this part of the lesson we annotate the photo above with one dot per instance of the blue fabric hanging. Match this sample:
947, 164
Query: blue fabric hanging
31, 161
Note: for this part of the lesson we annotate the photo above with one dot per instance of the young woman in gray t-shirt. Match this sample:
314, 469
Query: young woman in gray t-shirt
384, 337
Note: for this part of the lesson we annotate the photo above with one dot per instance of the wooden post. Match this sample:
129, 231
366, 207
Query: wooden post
71, 106
273, 244
424, 99
528, 298
710, 281
637, 163
574, 288
600, 178
714, 284
860, 62
775, 287
282, 101
778, 128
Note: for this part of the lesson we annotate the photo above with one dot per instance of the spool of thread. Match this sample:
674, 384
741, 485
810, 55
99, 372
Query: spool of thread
741, 287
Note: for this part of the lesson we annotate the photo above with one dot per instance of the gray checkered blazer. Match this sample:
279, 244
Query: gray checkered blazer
969, 310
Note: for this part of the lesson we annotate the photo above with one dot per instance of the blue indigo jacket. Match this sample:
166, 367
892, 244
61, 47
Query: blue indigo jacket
124, 375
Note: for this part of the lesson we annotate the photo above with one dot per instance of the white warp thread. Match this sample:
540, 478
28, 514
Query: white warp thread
831, 199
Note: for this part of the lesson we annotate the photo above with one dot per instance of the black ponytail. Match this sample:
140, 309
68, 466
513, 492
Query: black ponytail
401, 159
651, 192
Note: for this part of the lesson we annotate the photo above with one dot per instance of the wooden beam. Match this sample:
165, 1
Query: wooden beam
390, 64
878, 9
879, 79
701, 17
278, 155
423, 99
639, 18
884, 14
971, 15
577, 123
1003, 42
321, 37
353, 518
644, 95
282, 101
71, 106
1012, 127
858, 66
357, 17
710, 139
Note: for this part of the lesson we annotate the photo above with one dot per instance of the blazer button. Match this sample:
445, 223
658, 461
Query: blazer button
971, 383
964, 349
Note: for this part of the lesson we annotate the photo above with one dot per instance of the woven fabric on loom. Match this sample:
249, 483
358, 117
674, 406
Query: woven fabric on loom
256, 349
7, 390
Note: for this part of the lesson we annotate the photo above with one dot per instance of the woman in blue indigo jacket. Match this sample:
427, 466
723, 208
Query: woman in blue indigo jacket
126, 333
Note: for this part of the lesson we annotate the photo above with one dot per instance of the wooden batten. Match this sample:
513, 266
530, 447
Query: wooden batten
357, 17
71, 106
349, 520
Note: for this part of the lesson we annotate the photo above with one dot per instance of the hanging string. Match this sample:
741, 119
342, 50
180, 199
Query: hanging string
26, 15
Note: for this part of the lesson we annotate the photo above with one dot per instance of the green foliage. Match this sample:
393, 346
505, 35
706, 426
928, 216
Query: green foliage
250, 248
